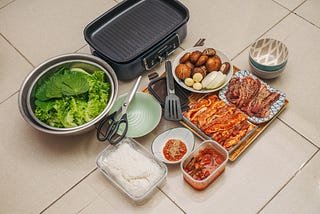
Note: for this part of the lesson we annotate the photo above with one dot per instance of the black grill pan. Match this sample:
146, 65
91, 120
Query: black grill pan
136, 34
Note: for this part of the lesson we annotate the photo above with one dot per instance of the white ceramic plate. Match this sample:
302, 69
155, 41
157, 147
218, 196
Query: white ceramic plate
276, 106
223, 58
183, 134
144, 114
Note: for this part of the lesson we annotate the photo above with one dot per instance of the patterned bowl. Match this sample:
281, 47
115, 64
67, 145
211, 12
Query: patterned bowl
268, 54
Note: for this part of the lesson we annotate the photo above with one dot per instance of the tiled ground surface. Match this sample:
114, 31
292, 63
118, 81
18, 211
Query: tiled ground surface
278, 173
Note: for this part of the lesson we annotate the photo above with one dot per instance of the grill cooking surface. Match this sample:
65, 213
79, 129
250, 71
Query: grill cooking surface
134, 29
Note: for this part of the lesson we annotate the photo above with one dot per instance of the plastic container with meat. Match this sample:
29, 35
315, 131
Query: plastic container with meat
204, 164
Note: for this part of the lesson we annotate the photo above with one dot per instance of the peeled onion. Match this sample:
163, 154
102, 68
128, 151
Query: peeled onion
214, 80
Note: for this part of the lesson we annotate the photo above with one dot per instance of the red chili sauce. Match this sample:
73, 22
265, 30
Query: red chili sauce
202, 165
174, 150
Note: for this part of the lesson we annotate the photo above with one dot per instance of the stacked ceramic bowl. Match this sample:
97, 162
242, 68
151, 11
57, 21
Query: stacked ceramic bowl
268, 58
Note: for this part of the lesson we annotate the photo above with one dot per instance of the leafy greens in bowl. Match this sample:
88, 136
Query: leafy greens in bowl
71, 97
68, 94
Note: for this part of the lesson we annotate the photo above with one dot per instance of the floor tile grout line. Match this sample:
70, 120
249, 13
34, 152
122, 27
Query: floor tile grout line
281, 5
88, 204
20, 53
290, 179
305, 19
68, 190
293, 11
297, 132
7, 4
80, 48
264, 33
92, 171
175, 203
299, 5
3, 101
290, 12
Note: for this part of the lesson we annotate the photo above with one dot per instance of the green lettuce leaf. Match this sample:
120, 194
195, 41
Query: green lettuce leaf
71, 98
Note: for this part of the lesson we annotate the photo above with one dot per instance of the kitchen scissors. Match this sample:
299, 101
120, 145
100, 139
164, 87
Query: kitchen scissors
112, 123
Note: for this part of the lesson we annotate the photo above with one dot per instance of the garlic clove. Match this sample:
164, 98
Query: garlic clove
189, 82
197, 86
197, 77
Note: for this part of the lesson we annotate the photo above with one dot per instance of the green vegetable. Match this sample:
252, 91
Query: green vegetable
71, 97
65, 82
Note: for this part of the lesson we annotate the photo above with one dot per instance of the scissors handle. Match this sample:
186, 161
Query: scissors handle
111, 133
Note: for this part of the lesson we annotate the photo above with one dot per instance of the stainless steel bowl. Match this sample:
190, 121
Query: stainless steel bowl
26, 94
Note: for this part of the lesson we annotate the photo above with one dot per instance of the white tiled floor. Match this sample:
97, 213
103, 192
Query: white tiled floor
278, 173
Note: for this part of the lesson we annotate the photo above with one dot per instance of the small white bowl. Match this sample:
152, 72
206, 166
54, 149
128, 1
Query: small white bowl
180, 133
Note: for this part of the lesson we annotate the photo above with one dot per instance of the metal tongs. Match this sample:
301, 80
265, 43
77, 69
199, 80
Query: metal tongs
112, 123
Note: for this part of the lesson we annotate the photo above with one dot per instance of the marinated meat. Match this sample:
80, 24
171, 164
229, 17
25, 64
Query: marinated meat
267, 103
203, 164
233, 93
222, 122
250, 96
249, 89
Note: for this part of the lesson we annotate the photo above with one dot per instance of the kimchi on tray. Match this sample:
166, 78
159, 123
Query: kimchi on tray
213, 118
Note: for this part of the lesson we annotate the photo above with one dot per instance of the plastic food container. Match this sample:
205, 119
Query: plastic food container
132, 169
204, 164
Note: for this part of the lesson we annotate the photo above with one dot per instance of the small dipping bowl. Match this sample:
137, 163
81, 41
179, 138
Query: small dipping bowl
179, 133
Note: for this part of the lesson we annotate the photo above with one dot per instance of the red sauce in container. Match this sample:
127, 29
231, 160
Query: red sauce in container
174, 150
202, 165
